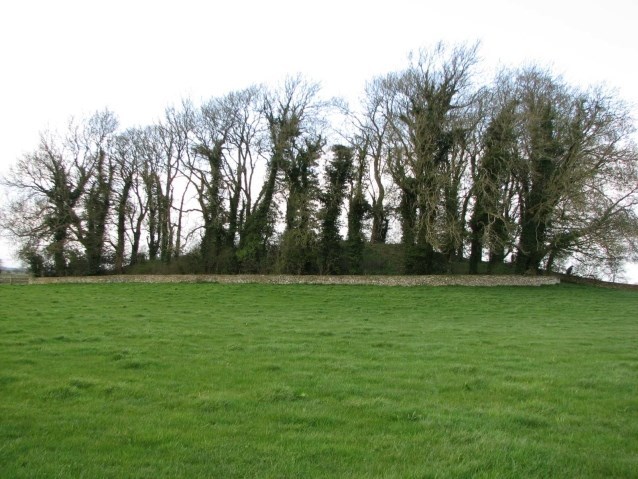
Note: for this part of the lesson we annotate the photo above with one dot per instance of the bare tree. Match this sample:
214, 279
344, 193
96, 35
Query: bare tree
577, 174
96, 141
371, 142
428, 103
492, 173
293, 115
162, 148
129, 201
206, 165
226, 150
63, 191
247, 143
338, 172
172, 137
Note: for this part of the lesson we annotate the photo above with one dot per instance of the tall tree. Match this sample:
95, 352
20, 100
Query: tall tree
491, 179
371, 141
428, 100
247, 145
338, 173
572, 195
125, 173
137, 209
358, 207
206, 165
293, 116
298, 243
63, 191
91, 230
172, 137
544, 152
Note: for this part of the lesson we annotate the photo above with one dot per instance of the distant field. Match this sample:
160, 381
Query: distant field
225, 380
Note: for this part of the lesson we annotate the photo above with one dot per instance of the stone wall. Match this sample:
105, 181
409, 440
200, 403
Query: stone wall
434, 280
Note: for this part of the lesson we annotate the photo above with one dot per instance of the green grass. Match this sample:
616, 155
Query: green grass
205, 380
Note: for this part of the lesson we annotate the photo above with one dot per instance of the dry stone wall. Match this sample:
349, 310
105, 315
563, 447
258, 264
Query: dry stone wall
435, 280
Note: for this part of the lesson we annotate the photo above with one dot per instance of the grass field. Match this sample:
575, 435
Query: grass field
207, 380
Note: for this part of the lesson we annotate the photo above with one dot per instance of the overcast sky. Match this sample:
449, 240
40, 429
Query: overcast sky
72, 57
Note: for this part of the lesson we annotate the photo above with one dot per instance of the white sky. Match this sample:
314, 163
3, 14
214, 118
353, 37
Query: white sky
72, 57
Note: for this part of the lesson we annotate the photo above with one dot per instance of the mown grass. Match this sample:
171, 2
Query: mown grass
205, 380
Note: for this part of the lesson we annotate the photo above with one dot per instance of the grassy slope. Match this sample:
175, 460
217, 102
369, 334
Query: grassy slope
205, 380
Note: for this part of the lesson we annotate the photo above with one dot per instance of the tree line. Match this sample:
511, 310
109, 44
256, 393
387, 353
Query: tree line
523, 171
